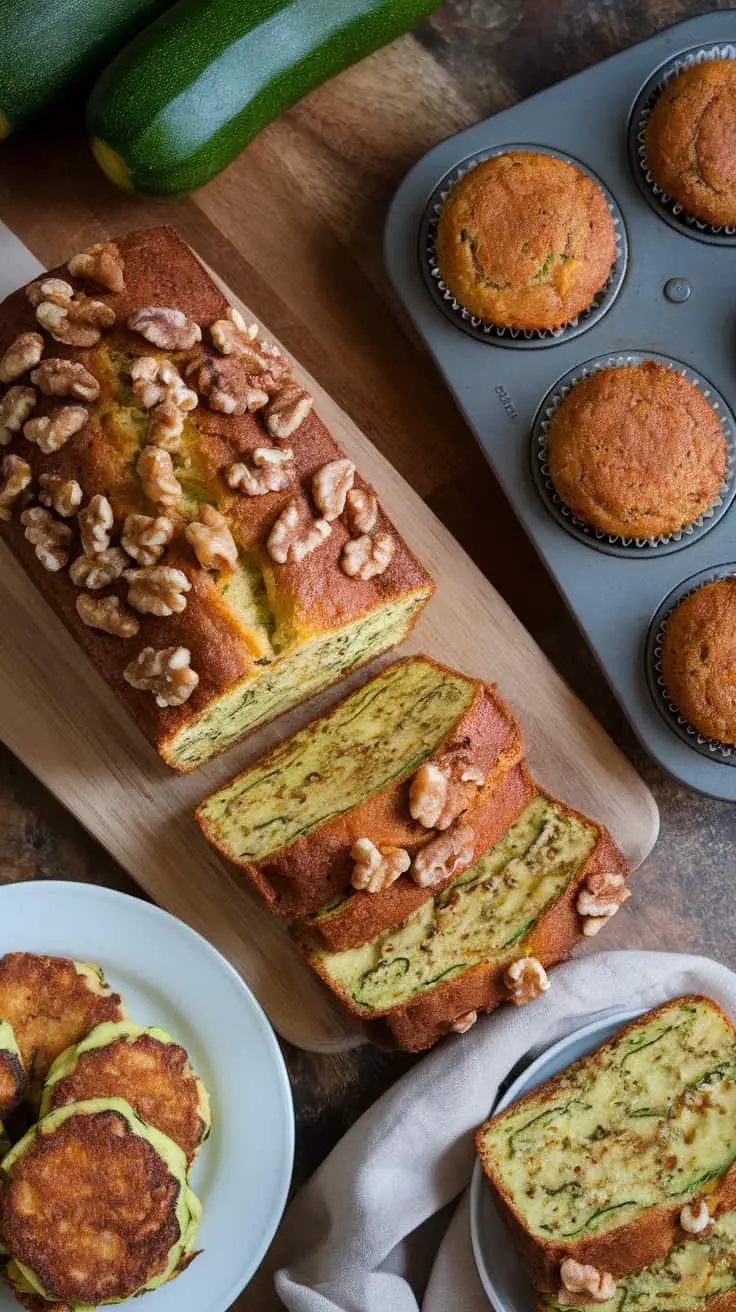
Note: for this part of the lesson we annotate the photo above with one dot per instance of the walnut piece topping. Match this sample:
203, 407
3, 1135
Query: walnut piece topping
95, 525
64, 495
108, 614
443, 856
377, 868
287, 410
98, 571
156, 382
593, 1285
21, 355
157, 589
525, 979
156, 472
695, 1217
441, 790
70, 317
55, 290
600, 898
330, 486
57, 377
101, 263
363, 558
213, 543
361, 511
171, 330
462, 1024
227, 392
15, 475
233, 336
15, 407
145, 538
165, 673
274, 471
291, 539
50, 538
51, 432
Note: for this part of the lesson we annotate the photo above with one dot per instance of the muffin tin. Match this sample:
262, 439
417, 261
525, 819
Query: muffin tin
672, 295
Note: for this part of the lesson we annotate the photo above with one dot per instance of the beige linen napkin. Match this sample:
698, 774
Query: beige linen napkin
351, 1240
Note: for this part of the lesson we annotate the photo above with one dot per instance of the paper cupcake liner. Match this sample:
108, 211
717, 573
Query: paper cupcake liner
610, 543
482, 329
663, 205
710, 748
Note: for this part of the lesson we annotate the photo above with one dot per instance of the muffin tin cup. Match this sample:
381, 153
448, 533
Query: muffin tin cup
710, 748
481, 329
611, 543
665, 206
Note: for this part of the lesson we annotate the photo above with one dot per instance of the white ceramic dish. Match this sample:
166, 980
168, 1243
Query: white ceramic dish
172, 977
500, 1268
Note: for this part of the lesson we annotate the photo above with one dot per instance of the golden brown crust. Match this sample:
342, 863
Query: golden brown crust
628, 1248
637, 450
305, 599
699, 659
526, 241
13, 1081
691, 141
298, 880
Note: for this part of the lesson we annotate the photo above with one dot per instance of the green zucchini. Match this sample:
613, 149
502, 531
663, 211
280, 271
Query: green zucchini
190, 91
48, 47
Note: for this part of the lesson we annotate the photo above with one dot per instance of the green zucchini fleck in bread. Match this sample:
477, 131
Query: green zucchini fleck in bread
597, 1163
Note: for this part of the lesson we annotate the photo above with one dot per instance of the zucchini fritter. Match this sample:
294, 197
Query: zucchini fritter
13, 1077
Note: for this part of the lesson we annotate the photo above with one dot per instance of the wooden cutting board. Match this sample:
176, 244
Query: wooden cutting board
58, 716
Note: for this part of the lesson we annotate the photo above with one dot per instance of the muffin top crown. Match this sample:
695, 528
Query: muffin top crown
691, 141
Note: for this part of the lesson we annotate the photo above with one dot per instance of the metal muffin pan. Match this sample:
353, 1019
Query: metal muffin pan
678, 300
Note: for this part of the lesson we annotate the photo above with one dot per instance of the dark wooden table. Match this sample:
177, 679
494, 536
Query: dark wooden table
328, 170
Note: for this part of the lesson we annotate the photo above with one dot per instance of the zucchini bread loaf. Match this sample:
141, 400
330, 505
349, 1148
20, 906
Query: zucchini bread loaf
168, 486
393, 786
604, 1168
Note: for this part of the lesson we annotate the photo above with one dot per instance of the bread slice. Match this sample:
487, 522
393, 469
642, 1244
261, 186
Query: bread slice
449, 957
289, 822
697, 1275
597, 1163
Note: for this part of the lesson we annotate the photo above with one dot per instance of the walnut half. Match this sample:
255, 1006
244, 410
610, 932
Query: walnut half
48, 536
145, 537
16, 476
587, 1282
287, 410
273, 472
98, 571
51, 432
599, 899
330, 487
171, 330
64, 495
443, 856
213, 543
157, 589
376, 869
166, 673
21, 355
101, 263
108, 614
15, 407
441, 790
361, 511
291, 539
57, 377
156, 472
95, 524
364, 558
525, 979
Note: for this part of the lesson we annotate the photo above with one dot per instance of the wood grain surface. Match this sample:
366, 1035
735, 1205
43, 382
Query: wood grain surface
302, 211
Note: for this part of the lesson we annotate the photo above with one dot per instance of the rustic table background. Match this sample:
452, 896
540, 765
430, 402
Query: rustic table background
295, 226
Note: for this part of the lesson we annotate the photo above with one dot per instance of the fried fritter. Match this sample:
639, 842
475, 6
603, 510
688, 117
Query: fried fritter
13, 1077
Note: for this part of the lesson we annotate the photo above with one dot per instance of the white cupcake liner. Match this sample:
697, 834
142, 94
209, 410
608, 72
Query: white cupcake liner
709, 748
660, 201
482, 329
610, 543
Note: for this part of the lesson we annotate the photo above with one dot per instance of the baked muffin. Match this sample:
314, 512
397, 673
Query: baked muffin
526, 240
699, 659
636, 451
690, 141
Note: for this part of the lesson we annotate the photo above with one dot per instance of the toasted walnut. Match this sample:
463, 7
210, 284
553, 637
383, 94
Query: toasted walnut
287, 410
274, 471
15, 407
361, 511
50, 289
15, 475
108, 614
525, 980
98, 571
145, 538
157, 589
595, 1286
167, 426
377, 868
330, 486
695, 1217
600, 898
213, 543
64, 495
441, 790
228, 391
95, 523
442, 857
156, 472
462, 1024
233, 336
21, 355
51, 432
72, 318
157, 382
58, 377
364, 558
291, 539
50, 538
101, 263
171, 330
165, 673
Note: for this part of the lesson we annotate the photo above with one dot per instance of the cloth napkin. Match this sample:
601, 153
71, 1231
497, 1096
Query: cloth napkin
362, 1235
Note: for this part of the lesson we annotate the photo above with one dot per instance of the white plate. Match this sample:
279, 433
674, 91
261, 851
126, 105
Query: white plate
501, 1270
172, 977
